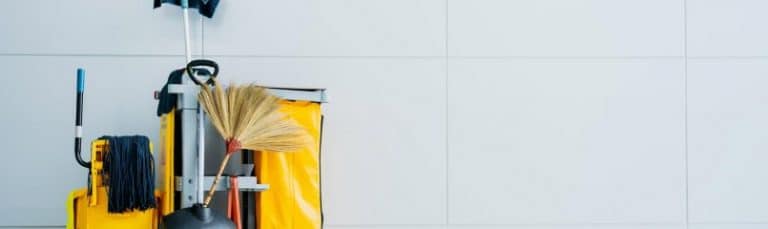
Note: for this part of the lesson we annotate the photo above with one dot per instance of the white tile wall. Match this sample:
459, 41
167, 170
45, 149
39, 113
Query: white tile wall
727, 110
565, 28
521, 226
727, 28
571, 226
444, 114
729, 226
566, 142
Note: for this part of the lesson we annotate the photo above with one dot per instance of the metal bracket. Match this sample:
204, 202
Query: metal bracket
188, 94
303, 94
245, 183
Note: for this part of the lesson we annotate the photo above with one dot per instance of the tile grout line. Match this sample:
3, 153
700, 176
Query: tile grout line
373, 56
533, 58
447, 139
685, 112
575, 224
467, 225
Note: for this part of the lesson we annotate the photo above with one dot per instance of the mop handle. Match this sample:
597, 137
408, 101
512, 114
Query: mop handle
187, 40
79, 118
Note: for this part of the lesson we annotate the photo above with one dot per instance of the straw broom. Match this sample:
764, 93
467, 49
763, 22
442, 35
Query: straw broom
248, 117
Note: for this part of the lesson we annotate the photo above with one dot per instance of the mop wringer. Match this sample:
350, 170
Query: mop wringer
121, 180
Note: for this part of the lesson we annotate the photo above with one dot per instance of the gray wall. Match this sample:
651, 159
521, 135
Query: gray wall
546, 114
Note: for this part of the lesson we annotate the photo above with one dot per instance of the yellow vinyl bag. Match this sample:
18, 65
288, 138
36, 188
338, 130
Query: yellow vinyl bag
293, 198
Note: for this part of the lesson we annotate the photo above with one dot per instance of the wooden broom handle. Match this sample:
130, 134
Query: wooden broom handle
216, 180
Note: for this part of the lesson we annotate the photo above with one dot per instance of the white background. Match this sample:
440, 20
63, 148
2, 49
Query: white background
444, 114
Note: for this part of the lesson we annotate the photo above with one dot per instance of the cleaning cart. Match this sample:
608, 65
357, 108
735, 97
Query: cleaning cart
272, 190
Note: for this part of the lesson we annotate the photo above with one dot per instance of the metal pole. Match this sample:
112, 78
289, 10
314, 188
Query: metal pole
200, 115
187, 40
200, 153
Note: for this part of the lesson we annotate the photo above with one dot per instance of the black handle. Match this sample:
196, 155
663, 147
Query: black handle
202, 63
79, 118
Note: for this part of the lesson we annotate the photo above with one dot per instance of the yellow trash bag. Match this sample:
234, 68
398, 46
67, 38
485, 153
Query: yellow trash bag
293, 199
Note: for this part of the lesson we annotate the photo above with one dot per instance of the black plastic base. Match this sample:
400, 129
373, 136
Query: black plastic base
196, 217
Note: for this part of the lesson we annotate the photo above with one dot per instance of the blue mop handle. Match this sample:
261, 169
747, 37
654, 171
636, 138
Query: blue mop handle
184, 4
80, 80
79, 118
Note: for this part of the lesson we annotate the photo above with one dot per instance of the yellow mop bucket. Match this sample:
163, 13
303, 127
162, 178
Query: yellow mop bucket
90, 211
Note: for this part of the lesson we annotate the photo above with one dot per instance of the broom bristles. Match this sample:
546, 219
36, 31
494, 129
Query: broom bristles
251, 115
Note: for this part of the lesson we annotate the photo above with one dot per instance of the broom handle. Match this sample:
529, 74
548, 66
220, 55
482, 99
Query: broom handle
216, 180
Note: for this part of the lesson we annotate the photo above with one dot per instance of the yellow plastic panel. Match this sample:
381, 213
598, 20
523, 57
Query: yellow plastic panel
293, 198
72, 206
84, 216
